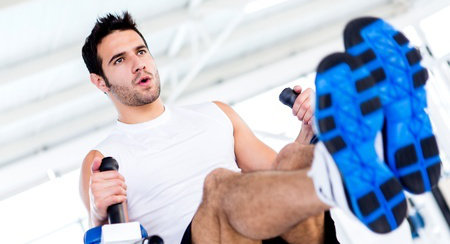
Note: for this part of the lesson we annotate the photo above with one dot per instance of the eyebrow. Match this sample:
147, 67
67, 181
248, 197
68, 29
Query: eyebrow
116, 56
122, 53
140, 47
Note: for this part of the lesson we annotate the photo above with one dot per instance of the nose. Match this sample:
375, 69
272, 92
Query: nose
138, 65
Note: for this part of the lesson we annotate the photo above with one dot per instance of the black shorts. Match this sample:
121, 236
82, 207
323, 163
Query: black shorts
329, 230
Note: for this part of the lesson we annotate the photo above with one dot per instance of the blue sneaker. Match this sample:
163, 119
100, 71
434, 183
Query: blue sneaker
410, 148
348, 120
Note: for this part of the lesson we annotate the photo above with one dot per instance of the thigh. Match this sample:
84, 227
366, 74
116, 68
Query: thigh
206, 229
322, 225
210, 224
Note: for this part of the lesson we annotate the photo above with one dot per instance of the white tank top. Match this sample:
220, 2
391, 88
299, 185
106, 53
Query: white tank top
165, 161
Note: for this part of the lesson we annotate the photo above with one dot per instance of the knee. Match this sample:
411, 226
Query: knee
216, 183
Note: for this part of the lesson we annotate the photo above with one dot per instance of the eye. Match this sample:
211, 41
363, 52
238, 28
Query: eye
142, 52
118, 61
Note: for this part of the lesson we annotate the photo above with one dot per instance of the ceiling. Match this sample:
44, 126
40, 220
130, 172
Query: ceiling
225, 50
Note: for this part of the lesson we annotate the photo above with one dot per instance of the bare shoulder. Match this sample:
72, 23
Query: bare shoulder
229, 111
225, 107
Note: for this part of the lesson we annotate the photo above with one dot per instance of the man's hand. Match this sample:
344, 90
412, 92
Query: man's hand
105, 188
304, 110
303, 107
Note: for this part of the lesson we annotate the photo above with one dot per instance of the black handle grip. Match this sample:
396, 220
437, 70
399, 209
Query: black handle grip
288, 96
115, 212
109, 163
154, 240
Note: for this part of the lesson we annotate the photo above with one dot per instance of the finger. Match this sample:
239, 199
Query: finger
104, 184
301, 114
295, 108
112, 199
305, 95
116, 199
102, 204
304, 107
308, 116
108, 175
102, 192
297, 89
96, 164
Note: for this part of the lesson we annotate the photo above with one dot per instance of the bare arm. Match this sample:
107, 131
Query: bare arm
99, 190
305, 135
251, 153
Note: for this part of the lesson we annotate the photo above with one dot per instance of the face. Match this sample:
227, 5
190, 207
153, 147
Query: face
129, 68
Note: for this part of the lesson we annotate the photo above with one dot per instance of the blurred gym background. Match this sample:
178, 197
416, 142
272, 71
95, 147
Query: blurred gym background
240, 52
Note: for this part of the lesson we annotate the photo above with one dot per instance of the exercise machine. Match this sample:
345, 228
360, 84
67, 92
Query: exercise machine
118, 230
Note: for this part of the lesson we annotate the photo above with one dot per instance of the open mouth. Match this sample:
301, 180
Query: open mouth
144, 81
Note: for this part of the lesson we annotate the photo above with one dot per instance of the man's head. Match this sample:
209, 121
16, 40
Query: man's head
117, 57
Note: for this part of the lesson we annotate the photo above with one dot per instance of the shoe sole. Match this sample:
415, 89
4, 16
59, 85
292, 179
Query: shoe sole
409, 144
348, 121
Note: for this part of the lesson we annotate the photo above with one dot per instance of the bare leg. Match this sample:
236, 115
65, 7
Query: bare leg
239, 207
296, 156
210, 223
310, 231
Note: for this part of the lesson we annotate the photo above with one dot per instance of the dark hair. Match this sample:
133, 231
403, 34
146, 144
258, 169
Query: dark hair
105, 26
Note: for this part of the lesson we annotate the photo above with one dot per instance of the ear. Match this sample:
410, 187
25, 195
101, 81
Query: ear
99, 82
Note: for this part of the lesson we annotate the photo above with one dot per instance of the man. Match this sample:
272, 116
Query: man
165, 153
169, 154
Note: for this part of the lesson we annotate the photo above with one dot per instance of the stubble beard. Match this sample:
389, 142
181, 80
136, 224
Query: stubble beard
130, 97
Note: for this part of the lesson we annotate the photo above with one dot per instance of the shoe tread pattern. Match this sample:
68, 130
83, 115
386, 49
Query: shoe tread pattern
403, 98
346, 123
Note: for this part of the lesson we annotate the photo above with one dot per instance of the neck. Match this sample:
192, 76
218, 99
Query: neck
139, 114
